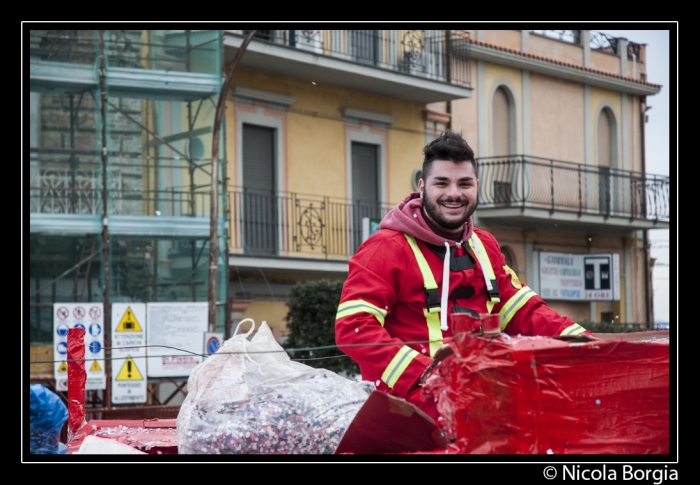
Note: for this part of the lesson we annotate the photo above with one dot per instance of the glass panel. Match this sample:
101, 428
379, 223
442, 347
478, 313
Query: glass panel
159, 269
61, 269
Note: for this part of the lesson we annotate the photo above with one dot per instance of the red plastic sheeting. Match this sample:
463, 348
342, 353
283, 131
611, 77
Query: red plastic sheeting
76, 379
541, 395
152, 436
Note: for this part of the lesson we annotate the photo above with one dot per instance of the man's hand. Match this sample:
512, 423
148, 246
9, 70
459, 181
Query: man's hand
441, 354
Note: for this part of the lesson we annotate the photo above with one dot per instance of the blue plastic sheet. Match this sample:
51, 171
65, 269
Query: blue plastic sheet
47, 414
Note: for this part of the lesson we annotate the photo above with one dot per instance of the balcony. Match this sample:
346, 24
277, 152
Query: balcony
266, 225
157, 64
413, 65
533, 193
65, 196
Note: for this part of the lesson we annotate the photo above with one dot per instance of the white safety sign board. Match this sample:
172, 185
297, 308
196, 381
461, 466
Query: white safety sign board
129, 384
591, 277
89, 316
174, 337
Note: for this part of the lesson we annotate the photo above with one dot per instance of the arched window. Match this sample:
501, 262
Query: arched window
502, 143
605, 124
501, 123
605, 156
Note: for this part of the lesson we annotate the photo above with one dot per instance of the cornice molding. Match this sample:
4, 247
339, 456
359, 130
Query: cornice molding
241, 94
355, 115
558, 70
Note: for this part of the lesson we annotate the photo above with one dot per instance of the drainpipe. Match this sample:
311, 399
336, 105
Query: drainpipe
448, 74
647, 257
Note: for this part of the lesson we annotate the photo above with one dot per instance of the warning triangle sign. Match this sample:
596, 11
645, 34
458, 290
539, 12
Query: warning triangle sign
129, 371
95, 366
63, 367
128, 322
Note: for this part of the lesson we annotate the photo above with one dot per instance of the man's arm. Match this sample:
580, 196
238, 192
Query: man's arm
375, 276
522, 311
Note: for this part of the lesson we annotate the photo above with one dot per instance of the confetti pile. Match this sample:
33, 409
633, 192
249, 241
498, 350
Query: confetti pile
250, 398
305, 415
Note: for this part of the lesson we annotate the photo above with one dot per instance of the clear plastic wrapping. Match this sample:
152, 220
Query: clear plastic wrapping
250, 398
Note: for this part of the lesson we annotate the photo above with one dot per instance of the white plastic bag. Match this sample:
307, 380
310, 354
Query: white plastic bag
251, 398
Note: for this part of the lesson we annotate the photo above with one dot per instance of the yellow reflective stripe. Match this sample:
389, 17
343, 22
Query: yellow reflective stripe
431, 314
434, 331
356, 306
574, 329
398, 365
491, 304
514, 304
482, 250
486, 268
428, 278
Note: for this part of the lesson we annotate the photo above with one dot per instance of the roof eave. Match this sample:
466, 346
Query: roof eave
561, 71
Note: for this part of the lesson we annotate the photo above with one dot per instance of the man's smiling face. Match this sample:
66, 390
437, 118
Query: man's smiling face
449, 193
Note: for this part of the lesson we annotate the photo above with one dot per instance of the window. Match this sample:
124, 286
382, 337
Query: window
605, 154
501, 123
365, 186
502, 193
503, 144
364, 45
366, 134
260, 170
259, 214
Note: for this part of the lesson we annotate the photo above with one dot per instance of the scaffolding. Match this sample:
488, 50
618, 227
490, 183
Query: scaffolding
120, 158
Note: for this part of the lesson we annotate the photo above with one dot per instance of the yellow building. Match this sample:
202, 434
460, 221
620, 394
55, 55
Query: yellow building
325, 128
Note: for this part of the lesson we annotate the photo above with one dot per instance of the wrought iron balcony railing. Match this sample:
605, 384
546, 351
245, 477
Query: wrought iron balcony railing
70, 182
597, 41
423, 53
533, 182
290, 224
266, 224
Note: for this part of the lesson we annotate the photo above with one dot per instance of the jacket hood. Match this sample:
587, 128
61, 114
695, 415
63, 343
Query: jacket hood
407, 217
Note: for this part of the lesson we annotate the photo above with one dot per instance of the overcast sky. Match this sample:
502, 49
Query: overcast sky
658, 138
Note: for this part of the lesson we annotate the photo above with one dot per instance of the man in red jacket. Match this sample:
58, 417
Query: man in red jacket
427, 261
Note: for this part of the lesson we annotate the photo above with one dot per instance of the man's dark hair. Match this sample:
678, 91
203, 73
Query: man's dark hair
448, 146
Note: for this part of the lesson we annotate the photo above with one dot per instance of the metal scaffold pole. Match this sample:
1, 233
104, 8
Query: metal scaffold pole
105, 233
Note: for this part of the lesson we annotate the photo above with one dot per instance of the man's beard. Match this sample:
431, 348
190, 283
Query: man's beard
432, 210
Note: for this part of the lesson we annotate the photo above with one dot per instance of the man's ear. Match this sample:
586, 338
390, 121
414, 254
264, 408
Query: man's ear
421, 186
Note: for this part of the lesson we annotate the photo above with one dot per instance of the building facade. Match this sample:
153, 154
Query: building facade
556, 119
325, 131
558, 124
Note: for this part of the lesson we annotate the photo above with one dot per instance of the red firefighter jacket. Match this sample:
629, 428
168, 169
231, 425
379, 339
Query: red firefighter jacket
386, 317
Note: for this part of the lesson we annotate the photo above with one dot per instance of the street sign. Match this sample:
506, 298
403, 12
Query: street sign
590, 277
212, 342
129, 384
83, 315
